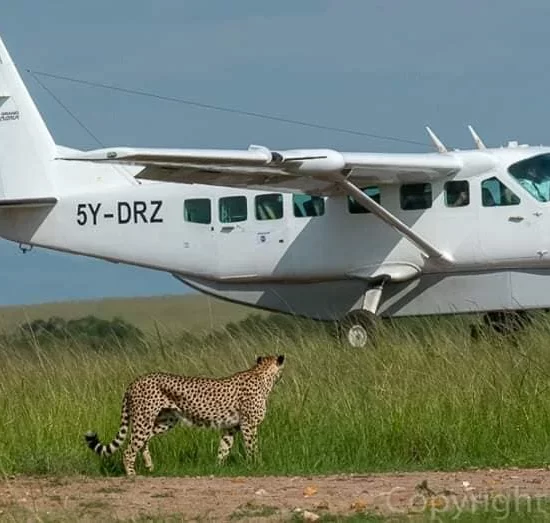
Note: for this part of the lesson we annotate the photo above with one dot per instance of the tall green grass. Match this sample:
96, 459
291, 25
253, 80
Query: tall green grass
425, 398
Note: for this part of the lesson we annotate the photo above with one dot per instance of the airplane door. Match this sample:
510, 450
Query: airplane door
196, 235
249, 235
233, 237
270, 233
510, 225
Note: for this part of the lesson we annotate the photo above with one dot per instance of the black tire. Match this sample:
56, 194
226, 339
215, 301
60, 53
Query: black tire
502, 323
359, 329
507, 322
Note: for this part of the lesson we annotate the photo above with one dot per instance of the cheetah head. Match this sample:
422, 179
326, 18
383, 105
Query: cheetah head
272, 365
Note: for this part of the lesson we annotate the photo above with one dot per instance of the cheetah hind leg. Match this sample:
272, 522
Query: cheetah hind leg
140, 435
142, 431
165, 421
226, 443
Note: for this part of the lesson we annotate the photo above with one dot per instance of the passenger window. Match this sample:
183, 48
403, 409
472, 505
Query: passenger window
197, 210
269, 206
416, 196
495, 194
356, 208
457, 193
305, 205
232, 209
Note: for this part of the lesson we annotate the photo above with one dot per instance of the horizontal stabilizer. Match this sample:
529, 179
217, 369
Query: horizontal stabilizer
8, 203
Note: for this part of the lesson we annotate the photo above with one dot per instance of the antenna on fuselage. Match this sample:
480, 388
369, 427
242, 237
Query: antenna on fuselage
480, 145
437, 142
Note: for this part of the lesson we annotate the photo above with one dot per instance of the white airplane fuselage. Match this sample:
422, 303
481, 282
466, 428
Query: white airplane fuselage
452, 231
317, 266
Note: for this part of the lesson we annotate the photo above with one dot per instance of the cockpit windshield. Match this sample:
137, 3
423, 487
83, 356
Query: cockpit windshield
533, 174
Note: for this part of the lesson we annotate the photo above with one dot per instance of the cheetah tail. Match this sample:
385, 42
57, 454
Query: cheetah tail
106, 450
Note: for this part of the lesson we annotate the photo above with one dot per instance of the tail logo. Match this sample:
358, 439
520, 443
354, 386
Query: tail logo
8, 116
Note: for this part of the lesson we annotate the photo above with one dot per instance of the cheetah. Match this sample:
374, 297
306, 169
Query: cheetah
155, 402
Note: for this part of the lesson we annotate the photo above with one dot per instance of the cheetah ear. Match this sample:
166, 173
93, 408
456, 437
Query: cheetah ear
259, 360
280, 359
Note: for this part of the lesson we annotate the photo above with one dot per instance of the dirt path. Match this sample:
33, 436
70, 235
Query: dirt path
262, 498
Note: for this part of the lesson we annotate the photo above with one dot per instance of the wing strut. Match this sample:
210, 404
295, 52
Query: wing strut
366, 201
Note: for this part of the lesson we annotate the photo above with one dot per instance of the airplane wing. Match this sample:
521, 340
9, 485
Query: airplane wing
300, 170
320, 172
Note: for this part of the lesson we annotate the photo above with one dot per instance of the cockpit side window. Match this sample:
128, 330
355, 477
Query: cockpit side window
495, 194
533, 174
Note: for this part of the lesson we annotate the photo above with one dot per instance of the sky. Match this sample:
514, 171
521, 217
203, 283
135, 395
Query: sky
381, 67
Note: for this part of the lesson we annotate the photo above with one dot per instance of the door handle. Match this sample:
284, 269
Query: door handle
515, 219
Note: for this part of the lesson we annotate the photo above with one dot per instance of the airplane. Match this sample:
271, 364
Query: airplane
345, 237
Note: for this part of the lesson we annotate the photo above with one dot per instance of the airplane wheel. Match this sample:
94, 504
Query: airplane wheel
502, 323
507, 322
358, 329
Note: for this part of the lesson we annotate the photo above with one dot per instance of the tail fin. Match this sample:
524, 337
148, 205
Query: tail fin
27, 149
106, 450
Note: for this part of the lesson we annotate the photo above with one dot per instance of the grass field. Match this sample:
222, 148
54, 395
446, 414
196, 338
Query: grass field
426, 398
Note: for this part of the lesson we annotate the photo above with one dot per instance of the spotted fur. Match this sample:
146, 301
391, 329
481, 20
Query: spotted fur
154, 403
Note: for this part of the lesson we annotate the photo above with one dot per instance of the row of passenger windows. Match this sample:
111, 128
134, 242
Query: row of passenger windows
414, 196
233, 209
417, 196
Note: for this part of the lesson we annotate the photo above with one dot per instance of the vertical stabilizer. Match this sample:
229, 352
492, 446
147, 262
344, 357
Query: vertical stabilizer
27, 149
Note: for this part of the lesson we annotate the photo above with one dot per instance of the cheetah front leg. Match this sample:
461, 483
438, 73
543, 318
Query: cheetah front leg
249, 432
226, 443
